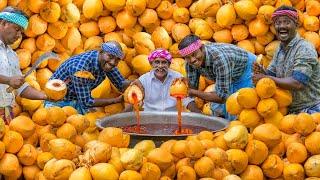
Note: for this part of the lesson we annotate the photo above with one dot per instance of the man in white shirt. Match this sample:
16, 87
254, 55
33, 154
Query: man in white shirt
12, 24
156, 85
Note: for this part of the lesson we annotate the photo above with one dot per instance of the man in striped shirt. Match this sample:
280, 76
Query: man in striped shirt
226, 64
101, 64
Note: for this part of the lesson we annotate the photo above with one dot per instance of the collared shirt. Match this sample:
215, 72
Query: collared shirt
298, 60
80, 88
9, 67
224, 64
157, 95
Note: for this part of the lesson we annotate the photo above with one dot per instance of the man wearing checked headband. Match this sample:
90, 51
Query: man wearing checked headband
12, 24
295, 66
226, 64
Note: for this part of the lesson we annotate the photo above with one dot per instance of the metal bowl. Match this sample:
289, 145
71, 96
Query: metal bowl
126, 119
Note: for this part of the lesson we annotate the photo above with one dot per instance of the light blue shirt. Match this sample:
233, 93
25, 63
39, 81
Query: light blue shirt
157, 95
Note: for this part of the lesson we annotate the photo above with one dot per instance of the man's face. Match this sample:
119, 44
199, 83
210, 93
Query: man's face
108, 61
160, 66
195, 59
285, 28
12, 33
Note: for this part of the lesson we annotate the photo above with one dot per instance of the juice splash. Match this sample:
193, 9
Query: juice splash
179, 118
137, 111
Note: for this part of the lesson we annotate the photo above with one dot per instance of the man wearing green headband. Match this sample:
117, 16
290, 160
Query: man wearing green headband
12, 24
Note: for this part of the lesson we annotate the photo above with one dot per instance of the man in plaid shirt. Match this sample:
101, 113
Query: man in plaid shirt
101, 64
226, 64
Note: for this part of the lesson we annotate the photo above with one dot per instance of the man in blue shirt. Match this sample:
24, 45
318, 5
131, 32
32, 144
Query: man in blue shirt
101, 64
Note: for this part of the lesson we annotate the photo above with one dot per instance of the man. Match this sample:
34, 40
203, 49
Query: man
226, 64
101, 64
295, 65
157, 82
12, 24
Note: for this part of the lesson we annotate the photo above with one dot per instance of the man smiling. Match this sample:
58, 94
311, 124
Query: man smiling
295, 65
101, 64
156, 85
228, 65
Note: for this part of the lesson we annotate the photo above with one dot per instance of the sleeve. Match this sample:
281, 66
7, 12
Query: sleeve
83, 90
223, 79
305, 60
193, 76
271, 70
186, 101
116, 78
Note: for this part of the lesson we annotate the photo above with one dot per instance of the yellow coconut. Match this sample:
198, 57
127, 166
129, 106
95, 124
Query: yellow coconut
132, 159
178, 88
63, 149
56, 116
43, 76
13, 141
27, 155
89, 29
28, 44
246, 9
168, 144
236, 137
107, 24
2, 149
114, 5
257, 152
273, 166
186, 173
265, 39
37, 25
304, 124
24, 56
150, 171
239, 32
161, 157
114, 137
312, 8
39, 116
133, 94
311, 142
223, 36
58, 169
9, 165
313, 38
178, 149
232, 105
79, 122
55, 89
161, 38
287, 123
35, 6
267, 133
103, 170
141, 64
258, 27
92, 8
250, 118
179, 31
194, 149
217, 155
247, 45
143, 43
267, 107
311, 166
30, 172
165, 10
114, 108
265, 88
66, 131
125, 20
30, 105
283, 97
231, 177
293, 171
226, 15
204, 167
50, 12
148, 18
248, 98
237, 161
265, 13
70, 13
296, 153
23, 125
145, 146
311, 23
72, 39
43, 158
130, 174
81, 173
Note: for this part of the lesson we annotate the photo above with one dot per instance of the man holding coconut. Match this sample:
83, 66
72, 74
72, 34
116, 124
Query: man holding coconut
99, 64
226, 64
12, 24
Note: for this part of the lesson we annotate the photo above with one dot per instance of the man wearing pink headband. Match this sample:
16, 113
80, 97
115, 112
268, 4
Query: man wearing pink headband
226, 64
156, 85
295, 65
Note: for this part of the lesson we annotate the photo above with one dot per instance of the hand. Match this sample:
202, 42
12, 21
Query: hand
16, 81
191, 92
257, 77
257, 68
118, 99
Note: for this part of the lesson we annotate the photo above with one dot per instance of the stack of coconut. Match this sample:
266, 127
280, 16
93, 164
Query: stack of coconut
69, 27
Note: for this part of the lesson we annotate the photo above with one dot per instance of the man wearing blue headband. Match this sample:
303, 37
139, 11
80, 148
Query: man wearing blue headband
12, 24
101, 64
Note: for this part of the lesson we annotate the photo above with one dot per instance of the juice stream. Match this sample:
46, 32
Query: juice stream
179, 108
136, 109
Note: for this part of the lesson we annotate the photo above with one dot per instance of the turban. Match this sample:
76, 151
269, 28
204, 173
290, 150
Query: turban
289, 13
191, 48
112, 48
160, 53
15, 18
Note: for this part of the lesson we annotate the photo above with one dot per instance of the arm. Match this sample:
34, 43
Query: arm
207, 96
32, 93
117, 79
288, 83
193, 107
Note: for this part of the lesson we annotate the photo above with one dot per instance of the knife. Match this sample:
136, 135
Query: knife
43, 57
